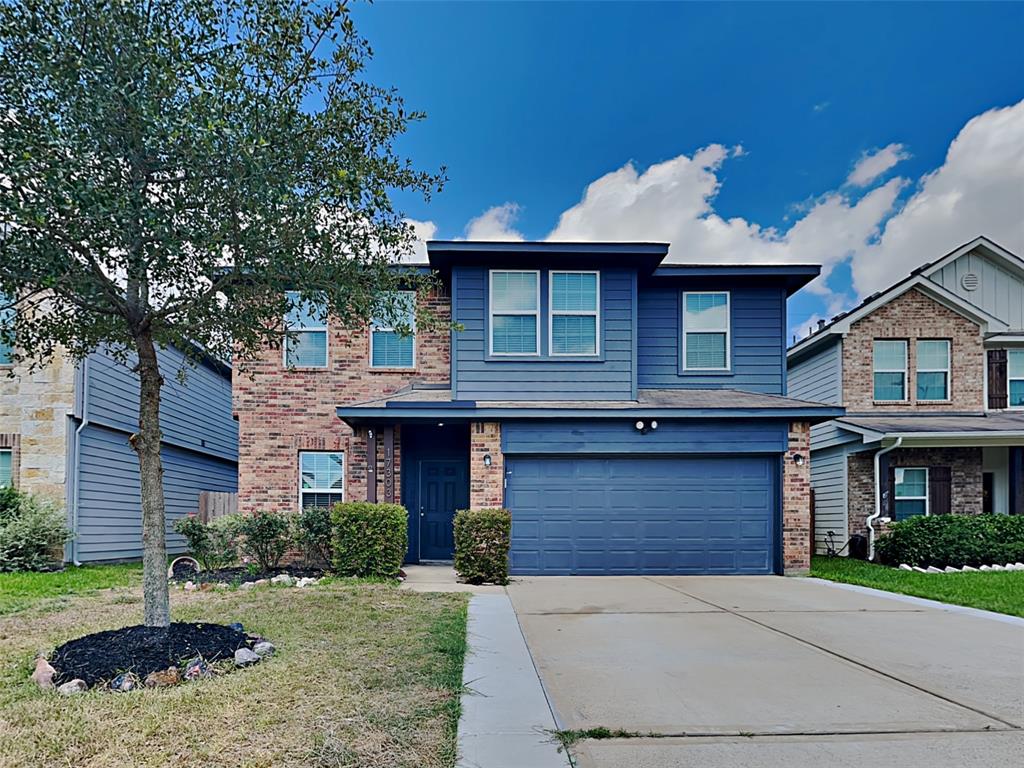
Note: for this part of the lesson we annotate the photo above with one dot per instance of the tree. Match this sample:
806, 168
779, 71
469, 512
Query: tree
170, 168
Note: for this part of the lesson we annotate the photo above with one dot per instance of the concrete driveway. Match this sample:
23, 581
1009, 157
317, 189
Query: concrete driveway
766, 671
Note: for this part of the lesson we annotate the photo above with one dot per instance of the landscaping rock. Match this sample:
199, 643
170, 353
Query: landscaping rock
247, 585
261, 582
969, 569
996, 568
124, 682
245, 658
190, 586
237, 626
951, 569
72, 687
919, 569
196, 669
263, 649
905, 567
43, 675
985, 568
933, 569
164, 678
283, 580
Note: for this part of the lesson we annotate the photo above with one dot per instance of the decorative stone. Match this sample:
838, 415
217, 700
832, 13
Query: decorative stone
985, 568
264, 648
43, 674
307, 581
206, 586
951, 569
237, 626
124, 682
969, 569
933, 569
246, 585
245, 658
196, 669
905, 567
73, 687
190, 586
919, 569
996, 568
260, 582
283, 579
163, 679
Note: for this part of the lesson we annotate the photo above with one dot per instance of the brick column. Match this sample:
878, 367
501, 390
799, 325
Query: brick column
796, 501
486, 484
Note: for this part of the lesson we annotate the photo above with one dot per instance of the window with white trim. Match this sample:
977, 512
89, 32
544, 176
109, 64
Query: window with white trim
514, 309
305, 346
6, 323
706, 331
933, 369
388, 347
574, 300
1015, 377
6, 471
321, 478
911, 491
889, 358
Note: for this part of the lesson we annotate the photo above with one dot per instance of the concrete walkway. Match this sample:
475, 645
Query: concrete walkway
767, 671
441, 578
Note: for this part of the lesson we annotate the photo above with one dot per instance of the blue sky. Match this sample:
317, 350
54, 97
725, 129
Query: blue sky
759, 113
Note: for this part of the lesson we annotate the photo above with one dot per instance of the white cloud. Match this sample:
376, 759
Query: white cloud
495, 224
873, 164
422, 231
821, 106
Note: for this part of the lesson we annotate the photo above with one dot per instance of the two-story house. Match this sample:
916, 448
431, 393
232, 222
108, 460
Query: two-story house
631, 414
931, 373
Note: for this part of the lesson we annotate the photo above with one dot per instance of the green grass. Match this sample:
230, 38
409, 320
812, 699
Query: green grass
20, 591
1002, 592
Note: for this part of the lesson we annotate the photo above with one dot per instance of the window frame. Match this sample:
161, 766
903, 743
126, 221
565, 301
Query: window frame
727, 331
9, 452
374, 327
7, 314
536, 314
303, 491
948, 370
904, 371
325, 329
896, 499
595, 313
1009, 379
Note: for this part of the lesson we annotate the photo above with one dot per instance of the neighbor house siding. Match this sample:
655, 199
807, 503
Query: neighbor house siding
819, 377
828, 480
999, 291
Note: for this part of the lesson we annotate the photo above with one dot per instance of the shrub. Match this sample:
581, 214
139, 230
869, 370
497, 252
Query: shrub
481, 545
369, 539
213, 544
313, 533
955, 540
32, 532
265, 537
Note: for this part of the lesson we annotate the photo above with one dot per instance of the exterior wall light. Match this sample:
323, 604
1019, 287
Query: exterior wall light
798, 459
654, 425
640, 426
487, 460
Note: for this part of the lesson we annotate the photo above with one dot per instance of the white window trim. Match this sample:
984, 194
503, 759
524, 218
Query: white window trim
906, 383
344, 470
524, 312
375, 327
948, 370
307, 329
927, 501
727, 330
595, 313
1009, 407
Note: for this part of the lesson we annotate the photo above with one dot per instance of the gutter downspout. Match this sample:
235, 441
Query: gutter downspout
75, 491
878, 496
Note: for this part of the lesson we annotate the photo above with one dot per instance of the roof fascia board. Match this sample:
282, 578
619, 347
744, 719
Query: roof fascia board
991, 249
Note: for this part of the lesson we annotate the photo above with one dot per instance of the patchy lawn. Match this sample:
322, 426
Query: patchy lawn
365, 675
20, 591
1002, 592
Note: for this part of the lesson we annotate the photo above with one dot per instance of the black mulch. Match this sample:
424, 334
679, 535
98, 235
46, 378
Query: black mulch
239, 575
102, 656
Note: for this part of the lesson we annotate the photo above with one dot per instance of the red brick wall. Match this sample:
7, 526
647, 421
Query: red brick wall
914, 316
281, 412
486, 484
796, 501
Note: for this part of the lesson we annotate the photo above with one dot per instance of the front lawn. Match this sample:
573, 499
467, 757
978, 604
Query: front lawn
20, 591
364, 675
1002, 592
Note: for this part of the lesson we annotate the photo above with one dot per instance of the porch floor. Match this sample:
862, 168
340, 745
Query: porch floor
441, 578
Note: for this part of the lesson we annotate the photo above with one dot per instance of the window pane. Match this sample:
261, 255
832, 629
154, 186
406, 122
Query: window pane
909, 508
571, 292
890, 355
1017, 392
320, 499
706, 311
512, 291
911, 482
514, 334
306, 349
930, 386
1015, 363
574, 335
390, 350
705, 350
889, 386
322, 470
405, 310
932, 355
304, 314
6, 321
5, 468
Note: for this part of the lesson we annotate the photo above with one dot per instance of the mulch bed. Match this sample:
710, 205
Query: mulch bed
102, 656
240, 575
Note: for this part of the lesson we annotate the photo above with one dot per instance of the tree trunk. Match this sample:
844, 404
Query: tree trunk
146, 442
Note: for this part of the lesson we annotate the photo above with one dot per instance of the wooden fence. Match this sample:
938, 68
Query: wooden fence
214, 504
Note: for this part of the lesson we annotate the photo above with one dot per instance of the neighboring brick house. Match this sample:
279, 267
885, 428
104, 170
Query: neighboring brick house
931, 373
631, 414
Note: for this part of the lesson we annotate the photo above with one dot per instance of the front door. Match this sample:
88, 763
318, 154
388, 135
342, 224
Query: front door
444, 488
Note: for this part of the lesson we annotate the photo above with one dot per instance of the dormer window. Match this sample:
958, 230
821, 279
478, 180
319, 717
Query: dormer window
574, 311
515, 312
706, 331
305, 346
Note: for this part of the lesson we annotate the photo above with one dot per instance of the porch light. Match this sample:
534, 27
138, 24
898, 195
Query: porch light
798, 459
654, 425
640, 425
487, 459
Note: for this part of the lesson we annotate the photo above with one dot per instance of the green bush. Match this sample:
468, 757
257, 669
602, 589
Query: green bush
265, 537
481, 545
369, 539
213, 544
314, 535
32, 532
954, 540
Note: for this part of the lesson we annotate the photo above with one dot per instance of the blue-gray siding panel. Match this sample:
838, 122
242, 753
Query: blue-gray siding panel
828, 479
110, 511
819, 377
758, 319
589, 437
642, 515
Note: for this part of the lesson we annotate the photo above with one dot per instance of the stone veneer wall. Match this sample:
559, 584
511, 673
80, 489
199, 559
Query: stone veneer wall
796, 501
486, 484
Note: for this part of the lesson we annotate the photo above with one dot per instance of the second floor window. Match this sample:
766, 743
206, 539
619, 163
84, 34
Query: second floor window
574, 313
6, 473
706, 331
6, 322
321, 478
515, 312
933, 369
389, 348
1015, 377
305, 346
890, 370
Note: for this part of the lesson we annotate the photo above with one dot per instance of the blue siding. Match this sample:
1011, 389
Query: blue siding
828, 479
758, 317
475, 376
622, 437
110, 508
819, 376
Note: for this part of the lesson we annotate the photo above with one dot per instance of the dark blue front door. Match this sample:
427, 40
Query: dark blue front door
444, 488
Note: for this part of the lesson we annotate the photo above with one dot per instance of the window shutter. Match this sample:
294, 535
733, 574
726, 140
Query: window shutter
889, 491
940, 480
997, 378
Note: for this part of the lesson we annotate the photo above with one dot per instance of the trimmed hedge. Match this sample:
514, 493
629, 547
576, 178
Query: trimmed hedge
481, 545
32, 532
369, 539
955, 540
